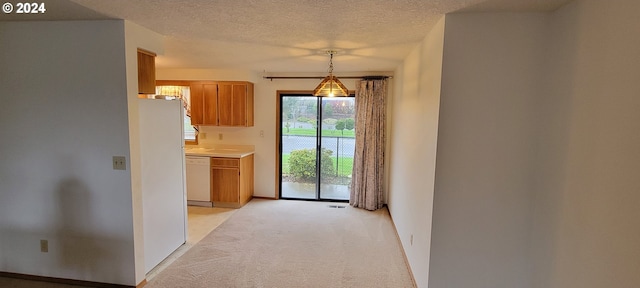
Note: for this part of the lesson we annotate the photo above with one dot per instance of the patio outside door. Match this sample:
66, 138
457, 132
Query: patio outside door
316, 147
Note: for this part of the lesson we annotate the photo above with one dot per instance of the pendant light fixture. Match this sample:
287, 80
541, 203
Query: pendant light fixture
330, 85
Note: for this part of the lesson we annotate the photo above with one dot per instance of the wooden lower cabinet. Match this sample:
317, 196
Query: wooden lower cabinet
232, 181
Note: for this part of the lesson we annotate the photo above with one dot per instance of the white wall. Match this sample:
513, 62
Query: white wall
64, 115
413, 133
265, 118
136, 37
492, 70
587, 218
536, 169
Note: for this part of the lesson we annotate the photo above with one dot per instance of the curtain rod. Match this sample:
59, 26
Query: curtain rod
322, 77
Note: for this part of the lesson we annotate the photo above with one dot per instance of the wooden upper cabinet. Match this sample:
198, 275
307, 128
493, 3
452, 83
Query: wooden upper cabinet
146, 72
235, 104
204, 103
219, 103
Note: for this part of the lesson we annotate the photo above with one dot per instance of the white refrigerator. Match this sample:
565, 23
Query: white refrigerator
163, 178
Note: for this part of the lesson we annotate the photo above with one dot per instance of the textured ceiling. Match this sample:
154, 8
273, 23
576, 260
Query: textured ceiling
284, 35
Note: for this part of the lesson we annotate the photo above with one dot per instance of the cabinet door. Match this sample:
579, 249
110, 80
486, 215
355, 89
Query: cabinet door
239, 105
249, 110
232, 101
225, 104
210, 104
225, 184
146, 72
196, 94
204, 104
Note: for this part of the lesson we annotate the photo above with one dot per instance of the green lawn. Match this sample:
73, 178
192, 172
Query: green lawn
312, 132
344, 165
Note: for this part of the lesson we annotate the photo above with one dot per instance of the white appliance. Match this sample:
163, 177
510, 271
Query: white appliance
162, 171
198, 181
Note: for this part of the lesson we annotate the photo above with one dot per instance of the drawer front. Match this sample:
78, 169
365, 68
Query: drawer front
225, 162
197, 160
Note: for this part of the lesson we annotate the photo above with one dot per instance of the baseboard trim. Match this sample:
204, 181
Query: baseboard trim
68, 281
404, 254
199, 203
267, 198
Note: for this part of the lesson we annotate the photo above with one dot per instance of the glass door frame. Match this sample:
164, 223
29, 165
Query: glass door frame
318, 145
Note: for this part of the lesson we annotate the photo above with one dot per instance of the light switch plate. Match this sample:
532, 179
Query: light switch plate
119, 163
44, 246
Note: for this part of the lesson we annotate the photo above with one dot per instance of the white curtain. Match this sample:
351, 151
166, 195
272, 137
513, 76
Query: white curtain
367, 181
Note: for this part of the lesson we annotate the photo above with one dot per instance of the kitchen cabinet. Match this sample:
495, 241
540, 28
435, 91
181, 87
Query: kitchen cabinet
232, 181
219, 103
146, 72
204, 103
235, 104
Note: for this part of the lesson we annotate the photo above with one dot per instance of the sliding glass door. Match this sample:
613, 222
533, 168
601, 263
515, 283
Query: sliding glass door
298, 151
316, 147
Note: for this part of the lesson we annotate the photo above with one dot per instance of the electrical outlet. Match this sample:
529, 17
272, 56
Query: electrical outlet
261, 133
411, 240
119, 163
220, 136
44, 246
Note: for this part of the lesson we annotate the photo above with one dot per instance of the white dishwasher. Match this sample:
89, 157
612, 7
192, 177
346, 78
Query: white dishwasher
198, 181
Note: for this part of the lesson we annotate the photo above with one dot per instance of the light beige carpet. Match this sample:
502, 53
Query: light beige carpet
279, 243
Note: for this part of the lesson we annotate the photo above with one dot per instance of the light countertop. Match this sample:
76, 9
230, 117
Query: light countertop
226, 151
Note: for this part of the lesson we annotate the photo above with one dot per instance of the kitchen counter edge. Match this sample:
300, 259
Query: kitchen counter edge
234, 154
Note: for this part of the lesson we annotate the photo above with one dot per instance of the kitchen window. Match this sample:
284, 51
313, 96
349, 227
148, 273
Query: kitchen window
182, 92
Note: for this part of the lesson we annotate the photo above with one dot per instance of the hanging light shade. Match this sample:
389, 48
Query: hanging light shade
330, 85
